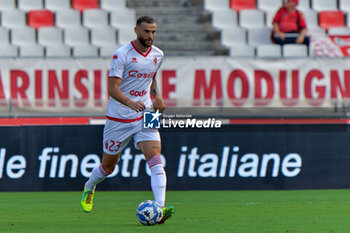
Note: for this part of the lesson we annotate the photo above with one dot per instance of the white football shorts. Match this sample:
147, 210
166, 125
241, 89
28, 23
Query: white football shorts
117, 135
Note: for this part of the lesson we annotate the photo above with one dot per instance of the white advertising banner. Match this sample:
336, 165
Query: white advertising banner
80, 85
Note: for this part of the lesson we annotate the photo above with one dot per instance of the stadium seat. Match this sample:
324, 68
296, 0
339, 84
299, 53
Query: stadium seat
4, 36
311, 17
123, 18
28, 5
58, 50
23, 36
95, 18
82, 5
13, 18
108, 50
234, 36
76, 36
269, 5
31, 51
224, 19
68, 18
54, 5
339, 31
269, 51
242, 4
294, 50
257, 36
251, 18
50, 36
242, 50
328, 19
104, 36
213, 5
85, 51
303, 5
348, 20
344, 5
111, 5
7, 5
8, 51
40, 18
324, 5
125, 35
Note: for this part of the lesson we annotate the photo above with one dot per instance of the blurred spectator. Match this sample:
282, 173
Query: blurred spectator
289, 25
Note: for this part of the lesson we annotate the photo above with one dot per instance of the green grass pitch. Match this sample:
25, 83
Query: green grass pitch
309, 211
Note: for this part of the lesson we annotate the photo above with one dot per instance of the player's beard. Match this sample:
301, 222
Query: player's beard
146, 43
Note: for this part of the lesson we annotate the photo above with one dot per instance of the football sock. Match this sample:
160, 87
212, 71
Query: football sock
98, 174
158, 179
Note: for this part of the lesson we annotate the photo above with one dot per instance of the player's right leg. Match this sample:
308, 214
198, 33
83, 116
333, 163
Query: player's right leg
116, 136
98, 174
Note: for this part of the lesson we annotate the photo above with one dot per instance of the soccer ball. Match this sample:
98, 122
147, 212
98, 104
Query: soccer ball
149, 212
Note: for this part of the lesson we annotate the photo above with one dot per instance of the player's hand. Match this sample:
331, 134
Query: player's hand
138, 106
158, 104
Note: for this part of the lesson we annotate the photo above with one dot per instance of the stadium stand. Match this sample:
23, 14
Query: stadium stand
184, 26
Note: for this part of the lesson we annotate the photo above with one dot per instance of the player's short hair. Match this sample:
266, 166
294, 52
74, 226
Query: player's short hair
145, 18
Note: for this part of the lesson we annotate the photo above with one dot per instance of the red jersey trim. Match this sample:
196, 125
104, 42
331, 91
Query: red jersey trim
124, 120
138, 51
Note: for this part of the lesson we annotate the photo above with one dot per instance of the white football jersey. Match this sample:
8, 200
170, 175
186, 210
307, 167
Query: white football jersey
137, 70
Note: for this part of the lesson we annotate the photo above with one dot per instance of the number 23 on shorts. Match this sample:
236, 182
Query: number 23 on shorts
113, 145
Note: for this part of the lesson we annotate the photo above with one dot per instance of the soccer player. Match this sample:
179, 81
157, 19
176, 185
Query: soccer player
131, 81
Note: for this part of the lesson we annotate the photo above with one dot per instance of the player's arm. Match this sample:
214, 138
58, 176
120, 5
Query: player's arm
117, 94
157, 101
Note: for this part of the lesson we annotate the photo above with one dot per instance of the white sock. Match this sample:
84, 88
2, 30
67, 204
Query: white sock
98, 174
158, 179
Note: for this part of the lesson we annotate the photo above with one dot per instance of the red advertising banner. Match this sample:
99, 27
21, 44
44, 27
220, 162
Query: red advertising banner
80, 85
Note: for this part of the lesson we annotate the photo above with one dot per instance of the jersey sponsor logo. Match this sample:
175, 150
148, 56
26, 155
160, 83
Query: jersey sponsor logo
137, 93
137, 74
134, 60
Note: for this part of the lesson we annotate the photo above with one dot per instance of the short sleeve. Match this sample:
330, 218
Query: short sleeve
277, 16
117, 65
302, 21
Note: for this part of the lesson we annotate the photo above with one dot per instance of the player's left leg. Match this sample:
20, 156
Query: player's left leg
152, 150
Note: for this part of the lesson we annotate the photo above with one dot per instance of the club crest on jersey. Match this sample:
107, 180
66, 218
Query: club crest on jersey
134, 60
155, 61
115, 57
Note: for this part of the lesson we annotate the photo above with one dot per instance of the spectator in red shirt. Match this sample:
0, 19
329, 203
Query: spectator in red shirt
289, 25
